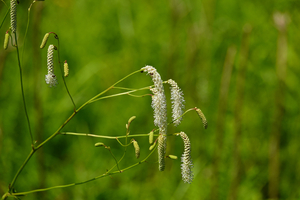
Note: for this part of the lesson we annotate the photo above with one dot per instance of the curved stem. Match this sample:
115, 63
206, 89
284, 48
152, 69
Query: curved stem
62, 73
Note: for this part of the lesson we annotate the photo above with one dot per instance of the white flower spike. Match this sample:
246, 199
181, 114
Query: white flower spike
50, 78
187, 165
177, 102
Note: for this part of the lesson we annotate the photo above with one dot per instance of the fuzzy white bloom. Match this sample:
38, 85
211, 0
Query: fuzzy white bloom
158, 99
50, 78
187, 165
159, 106
177, 102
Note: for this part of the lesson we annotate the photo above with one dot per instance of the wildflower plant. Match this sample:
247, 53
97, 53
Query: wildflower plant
157, 136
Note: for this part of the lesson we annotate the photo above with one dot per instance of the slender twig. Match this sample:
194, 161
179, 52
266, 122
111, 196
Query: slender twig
104, 136
124, 145
27, 27
119, 94
22, 90
62, 73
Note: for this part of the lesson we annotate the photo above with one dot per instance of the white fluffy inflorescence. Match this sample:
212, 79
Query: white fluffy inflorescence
187, 165
158, 99
50, 78
177, 102
160, 112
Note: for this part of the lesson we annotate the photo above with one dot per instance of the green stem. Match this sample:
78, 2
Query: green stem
11, 186
105, 137
22, 89
111, 87
62, 73
27, 27
119, 94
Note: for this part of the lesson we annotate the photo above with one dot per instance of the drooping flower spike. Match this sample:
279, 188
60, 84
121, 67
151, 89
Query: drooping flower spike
50, 78
159, 106
158, 99
202, 117
187, 164
177, 102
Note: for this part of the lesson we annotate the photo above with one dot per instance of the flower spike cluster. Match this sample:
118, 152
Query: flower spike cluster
187, 165
177, 102
50, 78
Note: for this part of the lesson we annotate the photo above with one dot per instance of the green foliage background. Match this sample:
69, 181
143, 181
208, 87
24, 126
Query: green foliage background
185, 40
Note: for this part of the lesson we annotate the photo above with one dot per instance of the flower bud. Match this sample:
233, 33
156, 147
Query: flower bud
152, 146
66, 69
6, 39
151, 137
202, 117
99, 144
172, 157
136, 148
44, 40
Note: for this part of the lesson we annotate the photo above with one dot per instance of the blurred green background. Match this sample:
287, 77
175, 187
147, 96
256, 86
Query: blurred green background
236, 60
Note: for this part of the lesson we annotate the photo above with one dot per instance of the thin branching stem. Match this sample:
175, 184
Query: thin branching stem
62, 73
119, 94
106, 137
34, 149
108, 173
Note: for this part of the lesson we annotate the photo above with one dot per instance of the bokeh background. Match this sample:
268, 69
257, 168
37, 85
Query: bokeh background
236, 60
